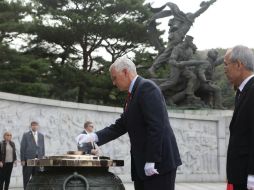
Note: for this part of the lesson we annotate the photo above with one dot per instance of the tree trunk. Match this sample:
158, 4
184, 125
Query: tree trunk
81, 94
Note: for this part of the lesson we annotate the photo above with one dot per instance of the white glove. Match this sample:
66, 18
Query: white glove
86, 138
250, 182
149, 169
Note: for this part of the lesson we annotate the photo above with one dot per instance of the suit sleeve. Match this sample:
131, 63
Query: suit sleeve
112, 132
14, 152
251, 125
43, 146
152, 106
22, 148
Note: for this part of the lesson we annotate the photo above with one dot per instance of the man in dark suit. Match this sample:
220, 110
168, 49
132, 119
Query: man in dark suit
239, 67
90, 147
154, 152
32, 146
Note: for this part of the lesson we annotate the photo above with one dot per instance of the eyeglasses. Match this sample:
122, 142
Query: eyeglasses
8, 135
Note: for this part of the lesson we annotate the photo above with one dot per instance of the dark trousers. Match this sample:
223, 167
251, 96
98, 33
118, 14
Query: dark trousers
5, 175
157, 182
28, 172
240, 187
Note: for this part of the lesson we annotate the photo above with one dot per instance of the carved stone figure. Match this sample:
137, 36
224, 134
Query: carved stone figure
204, 85
179, 26
190, 82
182, 52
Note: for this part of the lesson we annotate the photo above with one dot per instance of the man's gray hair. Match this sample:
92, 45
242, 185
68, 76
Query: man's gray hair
244, 55
123, 63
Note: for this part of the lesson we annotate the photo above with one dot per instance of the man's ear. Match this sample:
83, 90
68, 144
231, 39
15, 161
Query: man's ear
239, 64
125, 71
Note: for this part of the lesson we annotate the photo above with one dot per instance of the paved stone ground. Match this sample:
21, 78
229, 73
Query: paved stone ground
180, 186
190, 186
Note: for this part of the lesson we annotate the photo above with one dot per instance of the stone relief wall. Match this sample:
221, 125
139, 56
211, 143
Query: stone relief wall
202, 143
201, 135
199, 148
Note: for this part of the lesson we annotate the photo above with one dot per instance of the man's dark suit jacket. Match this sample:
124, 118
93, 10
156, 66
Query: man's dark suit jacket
28, 147
147, 123
240, 156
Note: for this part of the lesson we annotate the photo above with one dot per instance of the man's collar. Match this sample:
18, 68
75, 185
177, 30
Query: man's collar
132, 84
242, 85
85, 131
34, 132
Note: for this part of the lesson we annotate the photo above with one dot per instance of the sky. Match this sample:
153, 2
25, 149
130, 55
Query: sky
224, 24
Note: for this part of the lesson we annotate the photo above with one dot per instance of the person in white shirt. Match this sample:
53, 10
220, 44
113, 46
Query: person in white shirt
90, 147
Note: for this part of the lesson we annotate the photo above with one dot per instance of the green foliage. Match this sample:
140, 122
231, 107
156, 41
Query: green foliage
69, 32
143, 60
22, 74
66, 47
227, 90
60, 41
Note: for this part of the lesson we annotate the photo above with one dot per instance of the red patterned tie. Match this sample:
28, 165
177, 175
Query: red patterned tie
230, 186
128, 98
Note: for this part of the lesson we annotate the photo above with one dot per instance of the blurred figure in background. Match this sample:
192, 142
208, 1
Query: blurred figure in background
8, 158
90, 147
32, 146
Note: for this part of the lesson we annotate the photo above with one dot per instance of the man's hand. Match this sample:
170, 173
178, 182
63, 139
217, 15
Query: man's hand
86, 138
149, 169
95, 152
1, 164
250, 182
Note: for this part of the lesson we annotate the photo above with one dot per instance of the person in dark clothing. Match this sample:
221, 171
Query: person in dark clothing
8, 158
239, 69
154, 151
31, 147
90, 147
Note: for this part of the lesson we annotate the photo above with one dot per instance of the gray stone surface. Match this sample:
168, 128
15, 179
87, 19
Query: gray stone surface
202, 135
190, 186
179, 186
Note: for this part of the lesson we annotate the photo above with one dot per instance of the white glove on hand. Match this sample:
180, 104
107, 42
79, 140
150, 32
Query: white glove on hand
250, 182
86, 138
149, 169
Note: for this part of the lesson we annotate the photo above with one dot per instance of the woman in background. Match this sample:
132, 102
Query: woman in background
8, 157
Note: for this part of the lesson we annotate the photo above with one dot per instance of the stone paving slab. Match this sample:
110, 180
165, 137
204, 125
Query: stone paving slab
179, 186
190, 186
